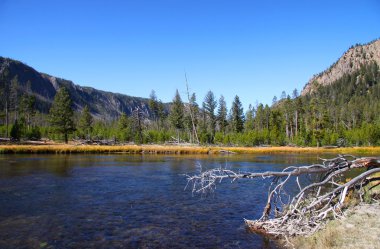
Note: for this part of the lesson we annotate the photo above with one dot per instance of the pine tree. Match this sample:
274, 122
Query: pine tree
153, 106
194, 108
295, 93
137, 121
177, 114
237, 115
61, 113
4, 94
27, 110
191, 118
274, 100
14, 96
85, 122
209, 108
283, 95
250, 115
123, 122
16, 131
161, 114
222, 115
260, 117
288, 110
124, 128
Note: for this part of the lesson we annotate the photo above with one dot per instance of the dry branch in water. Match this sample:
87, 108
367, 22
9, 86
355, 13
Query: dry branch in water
313, 204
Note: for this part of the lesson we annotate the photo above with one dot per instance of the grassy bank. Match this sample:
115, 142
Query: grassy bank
359, 229
171, 149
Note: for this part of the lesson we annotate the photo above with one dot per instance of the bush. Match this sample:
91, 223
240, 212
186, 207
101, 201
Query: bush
34, 133
16, 131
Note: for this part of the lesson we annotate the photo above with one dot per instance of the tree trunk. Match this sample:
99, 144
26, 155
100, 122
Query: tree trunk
296, 123
7, 118
66, 138
177, 136
286, 125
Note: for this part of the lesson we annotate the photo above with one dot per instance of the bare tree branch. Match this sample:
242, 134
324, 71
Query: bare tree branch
309, 209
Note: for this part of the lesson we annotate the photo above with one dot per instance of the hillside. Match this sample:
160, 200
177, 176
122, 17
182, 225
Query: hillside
341, 111
43, 86
351, 61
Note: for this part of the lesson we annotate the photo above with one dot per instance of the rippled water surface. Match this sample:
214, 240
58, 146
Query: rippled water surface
124, 201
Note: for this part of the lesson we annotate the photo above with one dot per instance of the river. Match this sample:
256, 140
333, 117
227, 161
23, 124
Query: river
130, 201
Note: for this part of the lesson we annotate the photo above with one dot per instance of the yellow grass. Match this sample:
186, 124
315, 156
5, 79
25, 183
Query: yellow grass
360, 229
172, 149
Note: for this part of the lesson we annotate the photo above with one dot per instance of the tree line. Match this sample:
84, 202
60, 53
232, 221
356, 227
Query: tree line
344, 113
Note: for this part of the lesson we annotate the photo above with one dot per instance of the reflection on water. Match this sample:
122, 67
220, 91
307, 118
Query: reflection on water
123, 201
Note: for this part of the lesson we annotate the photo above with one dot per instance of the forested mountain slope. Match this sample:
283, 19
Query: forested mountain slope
337, 107
343, 112
16, 79
351, 61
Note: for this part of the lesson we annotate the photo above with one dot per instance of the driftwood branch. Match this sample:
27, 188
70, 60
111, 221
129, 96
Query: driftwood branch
306, 211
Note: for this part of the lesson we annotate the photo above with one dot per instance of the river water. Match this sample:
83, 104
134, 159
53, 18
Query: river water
130, 201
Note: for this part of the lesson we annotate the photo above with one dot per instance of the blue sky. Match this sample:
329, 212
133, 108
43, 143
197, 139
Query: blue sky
253, 49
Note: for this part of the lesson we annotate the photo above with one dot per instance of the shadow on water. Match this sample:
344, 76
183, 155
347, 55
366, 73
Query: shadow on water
130, 201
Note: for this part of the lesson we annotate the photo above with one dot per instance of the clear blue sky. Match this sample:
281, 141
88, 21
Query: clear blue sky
253, 49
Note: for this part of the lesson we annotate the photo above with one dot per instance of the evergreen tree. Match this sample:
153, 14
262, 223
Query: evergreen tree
61, 113
16, 131
85, 123
209, 108
288, 111
4, 95
283, 95
123, 122
124, 128
266, 117
222, 115
260, 117
191, 118
195, 108
14, 96
137, 118
27, 110
237, 115
161, 114
274, 100
250, 115
295, 93
177, 113
153, 106
275, 131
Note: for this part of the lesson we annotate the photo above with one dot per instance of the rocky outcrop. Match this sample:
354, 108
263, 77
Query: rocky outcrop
350, 62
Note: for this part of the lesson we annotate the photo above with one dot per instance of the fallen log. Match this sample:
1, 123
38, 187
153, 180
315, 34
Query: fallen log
309, 209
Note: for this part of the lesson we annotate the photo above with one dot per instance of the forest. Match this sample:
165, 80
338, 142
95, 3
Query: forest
344, 113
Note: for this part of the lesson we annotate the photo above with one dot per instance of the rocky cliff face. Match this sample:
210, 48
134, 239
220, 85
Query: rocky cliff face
351, 61
102, 104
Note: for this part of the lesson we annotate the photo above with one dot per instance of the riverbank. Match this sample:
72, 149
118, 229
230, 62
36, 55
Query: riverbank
360, 229
56, 148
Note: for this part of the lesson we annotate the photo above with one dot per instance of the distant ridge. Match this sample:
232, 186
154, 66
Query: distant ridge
349, 62
103, 104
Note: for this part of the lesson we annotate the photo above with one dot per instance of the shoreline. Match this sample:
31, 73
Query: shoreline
357, 229
175, 149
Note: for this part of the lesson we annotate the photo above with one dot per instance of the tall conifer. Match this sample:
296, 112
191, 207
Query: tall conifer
61, 113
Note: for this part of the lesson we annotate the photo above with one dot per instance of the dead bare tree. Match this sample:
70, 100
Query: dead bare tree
312, 206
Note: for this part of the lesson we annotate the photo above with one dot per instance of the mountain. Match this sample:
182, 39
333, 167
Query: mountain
351, 61
44, 87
